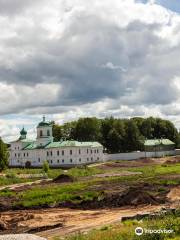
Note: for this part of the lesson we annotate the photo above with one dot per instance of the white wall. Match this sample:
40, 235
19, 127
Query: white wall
177, 151
56, 160
137, 155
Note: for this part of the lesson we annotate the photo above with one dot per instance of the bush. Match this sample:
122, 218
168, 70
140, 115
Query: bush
45, 167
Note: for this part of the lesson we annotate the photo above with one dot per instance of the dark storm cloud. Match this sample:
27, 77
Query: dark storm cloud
92, 59
13, 7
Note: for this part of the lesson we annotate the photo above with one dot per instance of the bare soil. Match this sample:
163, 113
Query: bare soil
63, 178
46, 221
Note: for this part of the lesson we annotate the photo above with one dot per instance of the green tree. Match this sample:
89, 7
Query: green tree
134, 140
88, 129
57, 132
3, 155
45, 167
116, 138
68, 130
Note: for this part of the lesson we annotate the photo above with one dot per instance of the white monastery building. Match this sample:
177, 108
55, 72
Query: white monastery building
26, 152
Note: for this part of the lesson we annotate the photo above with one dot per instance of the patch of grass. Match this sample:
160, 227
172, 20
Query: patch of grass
17, 171
126, 230
84, 171
39, 196
7, 193
8, 181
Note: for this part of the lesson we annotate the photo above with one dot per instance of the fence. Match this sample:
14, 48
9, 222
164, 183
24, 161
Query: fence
137, 155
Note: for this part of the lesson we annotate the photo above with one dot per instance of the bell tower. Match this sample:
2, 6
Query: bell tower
44, 132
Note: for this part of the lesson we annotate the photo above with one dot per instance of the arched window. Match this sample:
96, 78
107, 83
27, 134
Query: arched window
41, 133
48, 133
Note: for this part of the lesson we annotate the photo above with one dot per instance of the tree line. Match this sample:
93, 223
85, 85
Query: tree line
117, 135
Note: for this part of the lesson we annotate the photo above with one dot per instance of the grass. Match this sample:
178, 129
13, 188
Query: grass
85, 189
126, 230
39, 196
8, 181
7, 193
84, 171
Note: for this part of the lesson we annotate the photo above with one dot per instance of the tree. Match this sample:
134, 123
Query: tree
45, 166
134, 140
88, 129
68, 130
57, 132
3, 155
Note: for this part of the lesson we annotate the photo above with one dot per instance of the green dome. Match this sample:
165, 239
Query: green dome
23, 132
44, 123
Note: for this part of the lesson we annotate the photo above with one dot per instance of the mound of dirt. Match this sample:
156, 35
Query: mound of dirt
132, 197
63, 178
173, 160
137, 197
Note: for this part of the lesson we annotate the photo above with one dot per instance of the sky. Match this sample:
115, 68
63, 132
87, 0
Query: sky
73, 58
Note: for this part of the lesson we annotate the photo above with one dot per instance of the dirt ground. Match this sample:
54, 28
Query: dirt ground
174, 194
65, 221
62, 221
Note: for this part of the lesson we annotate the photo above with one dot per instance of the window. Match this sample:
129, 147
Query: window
47, 153
15, 154
97, 158
19, 154
91, 151
80, 160
71, 160
41, 133
15, 148
51, 153
24, 154
87, 159
79, 151
58, 153
39, 159
70, 152
48, 133
27, 154
62, 152
95, 151
91, 159
87, 150
63, 161
57, 161
51, 161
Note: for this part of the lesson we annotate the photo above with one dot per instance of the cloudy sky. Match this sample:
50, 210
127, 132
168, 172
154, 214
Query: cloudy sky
72, 58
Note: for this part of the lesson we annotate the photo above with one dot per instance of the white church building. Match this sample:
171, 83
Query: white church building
33, 153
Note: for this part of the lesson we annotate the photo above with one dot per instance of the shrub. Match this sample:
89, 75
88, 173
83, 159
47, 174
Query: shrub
45, 167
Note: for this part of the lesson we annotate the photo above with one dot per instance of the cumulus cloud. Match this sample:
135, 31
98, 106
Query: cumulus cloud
69, 57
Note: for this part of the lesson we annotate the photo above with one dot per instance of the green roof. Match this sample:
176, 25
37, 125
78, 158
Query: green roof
155, 142
27, 140
73, 144
34, 145
44, 124
62, 144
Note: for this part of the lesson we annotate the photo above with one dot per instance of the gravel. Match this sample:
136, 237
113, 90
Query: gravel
21, 237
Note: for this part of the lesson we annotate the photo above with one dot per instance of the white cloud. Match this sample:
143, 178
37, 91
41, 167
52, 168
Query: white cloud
73, 58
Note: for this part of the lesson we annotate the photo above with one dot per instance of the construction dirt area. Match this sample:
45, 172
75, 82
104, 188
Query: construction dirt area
129, 195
